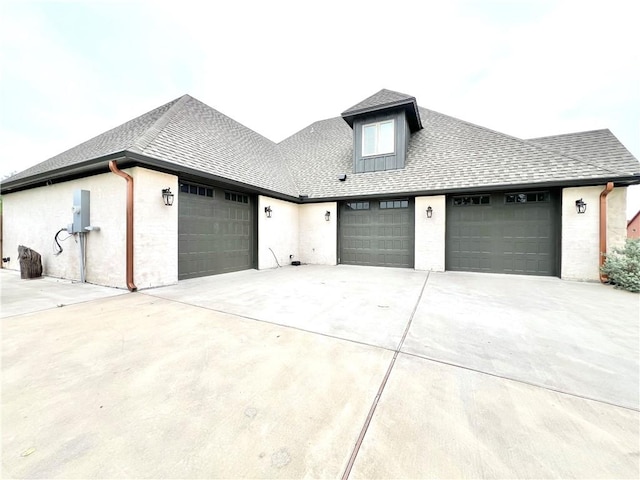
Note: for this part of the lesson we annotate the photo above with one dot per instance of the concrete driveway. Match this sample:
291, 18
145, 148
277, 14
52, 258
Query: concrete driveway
321, 372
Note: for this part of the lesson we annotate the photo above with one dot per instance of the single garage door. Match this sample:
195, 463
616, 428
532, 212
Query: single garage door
215, 231
377, 232
514, 232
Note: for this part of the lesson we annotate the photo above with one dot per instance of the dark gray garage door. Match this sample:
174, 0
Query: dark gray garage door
503, 233
215, 231
377, 232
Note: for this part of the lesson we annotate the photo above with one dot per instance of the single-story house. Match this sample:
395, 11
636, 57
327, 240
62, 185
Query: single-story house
387, 183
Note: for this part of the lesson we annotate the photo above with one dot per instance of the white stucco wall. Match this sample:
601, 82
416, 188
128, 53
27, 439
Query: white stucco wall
581, 232
155, 228
318, 243
278, 234
32, 218
430, 233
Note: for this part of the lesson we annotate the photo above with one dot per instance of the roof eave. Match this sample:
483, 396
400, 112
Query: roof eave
408, 105
94, 165
618, 182
172, 168
130, 159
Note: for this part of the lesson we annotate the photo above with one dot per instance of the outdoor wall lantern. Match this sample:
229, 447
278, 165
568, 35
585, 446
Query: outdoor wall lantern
267, 211
327, 215
429, 211
581, 206
167, 197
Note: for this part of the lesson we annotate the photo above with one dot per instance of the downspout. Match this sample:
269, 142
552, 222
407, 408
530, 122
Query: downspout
114, 168
603, 229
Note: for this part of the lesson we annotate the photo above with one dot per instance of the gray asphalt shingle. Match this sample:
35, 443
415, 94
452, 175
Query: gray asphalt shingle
199, 137
600, 147
446, 155
187, 133
112, 141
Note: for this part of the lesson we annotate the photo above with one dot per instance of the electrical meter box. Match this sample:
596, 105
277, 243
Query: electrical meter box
81, 210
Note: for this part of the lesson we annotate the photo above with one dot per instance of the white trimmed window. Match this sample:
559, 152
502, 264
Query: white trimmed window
378, 138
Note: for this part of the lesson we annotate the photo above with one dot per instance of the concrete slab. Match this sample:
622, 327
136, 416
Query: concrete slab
142, 387
19, 296
249, 375
580, 338
371, 305
438, 421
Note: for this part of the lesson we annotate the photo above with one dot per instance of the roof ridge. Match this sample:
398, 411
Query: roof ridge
144, 140
397, 92
531, 143
358, 107
570, 134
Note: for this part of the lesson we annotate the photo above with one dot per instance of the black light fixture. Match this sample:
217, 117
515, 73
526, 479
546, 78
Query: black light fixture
167, 196
327, 215
429, 211
342, 177
581, 206
268, 210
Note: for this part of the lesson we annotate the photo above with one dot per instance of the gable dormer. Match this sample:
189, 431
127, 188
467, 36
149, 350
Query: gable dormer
382, 125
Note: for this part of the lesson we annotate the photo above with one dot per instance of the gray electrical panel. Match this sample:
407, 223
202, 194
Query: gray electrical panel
81, 210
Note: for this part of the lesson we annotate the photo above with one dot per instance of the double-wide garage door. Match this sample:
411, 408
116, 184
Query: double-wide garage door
215, 231
377, 232
503, 233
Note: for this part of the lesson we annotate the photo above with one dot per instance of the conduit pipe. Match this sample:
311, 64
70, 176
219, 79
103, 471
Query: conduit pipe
603, 229
114, 168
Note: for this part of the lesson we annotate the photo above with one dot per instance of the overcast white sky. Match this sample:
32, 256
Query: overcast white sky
73, 69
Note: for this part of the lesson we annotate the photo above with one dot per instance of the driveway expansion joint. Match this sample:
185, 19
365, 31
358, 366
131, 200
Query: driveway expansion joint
254, 319
367, 422
518, 380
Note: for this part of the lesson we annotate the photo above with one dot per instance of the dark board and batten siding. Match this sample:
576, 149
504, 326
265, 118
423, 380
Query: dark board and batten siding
377, 163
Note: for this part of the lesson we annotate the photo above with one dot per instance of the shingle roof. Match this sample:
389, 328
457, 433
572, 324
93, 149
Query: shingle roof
115, 140
186, 133
447, 154
201, 138
600, 147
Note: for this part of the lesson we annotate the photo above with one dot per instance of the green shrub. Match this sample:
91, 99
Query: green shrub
623, 266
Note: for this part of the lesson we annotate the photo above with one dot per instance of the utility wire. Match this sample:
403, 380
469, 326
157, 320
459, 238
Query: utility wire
274, 256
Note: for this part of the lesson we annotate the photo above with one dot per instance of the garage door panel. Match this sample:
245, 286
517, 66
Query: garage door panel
384, 236
497, 236
215, 231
